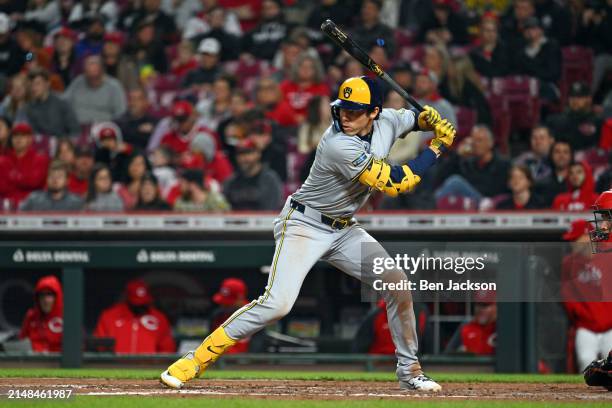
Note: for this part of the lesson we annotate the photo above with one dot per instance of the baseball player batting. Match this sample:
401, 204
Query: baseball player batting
317, 222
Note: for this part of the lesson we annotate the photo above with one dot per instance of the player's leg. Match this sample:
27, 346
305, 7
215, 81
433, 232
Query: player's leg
346, 255
605, 342
586, 347
298, 247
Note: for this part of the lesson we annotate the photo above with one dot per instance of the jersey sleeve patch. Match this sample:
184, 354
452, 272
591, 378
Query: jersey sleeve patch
359, 160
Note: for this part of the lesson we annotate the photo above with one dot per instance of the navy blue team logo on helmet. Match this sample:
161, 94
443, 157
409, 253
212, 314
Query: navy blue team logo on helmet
347, 92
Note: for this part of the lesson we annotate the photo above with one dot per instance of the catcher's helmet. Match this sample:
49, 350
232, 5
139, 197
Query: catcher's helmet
602, 211
357, 93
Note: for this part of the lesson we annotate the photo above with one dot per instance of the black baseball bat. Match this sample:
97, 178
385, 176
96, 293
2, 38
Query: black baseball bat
354, 50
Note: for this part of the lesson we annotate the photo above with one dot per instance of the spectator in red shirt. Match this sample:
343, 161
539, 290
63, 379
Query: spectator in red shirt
582, 276
43, 323
23, 169
479, 335
135, 324
184, 128
581, 189
374, 336
78, 180
232, 295
307, 76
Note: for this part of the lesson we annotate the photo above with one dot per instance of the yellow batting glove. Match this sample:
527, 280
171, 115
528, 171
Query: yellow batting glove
428, 118
445, 135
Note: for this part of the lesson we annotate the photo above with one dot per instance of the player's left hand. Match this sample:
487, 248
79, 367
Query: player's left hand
428, 118
445, 134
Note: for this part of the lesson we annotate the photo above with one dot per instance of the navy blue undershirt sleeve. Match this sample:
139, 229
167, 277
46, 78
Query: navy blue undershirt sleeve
418, 165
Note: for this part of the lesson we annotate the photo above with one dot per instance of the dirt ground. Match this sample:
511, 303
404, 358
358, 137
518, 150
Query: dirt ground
312, 390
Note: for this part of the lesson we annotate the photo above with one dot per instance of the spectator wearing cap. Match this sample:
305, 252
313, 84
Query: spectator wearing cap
580, 194
149, 197
135, 324
475, 170
100, 194
47, 113
23, 169
445, 25
118, 64
478, 336
539, 58
95, 96
582, 289
195, 196
165, 28
208, 69
254, 186
147, 49
263, 41
230, 41
371, 31
306, 81
426, 93
579, 124
561, 157
132, 176
56, 197
490, 57
537, 158
64, 61
231, 296
273, 149
204, 154
137, 124
43, 323
522, 197
513, 24
12, 56
78, 180
110, 148
92, 42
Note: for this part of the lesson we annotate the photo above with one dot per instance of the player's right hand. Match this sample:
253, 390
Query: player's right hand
428, 118
445, 134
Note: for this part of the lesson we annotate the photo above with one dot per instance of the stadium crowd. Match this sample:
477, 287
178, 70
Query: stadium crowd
218, 105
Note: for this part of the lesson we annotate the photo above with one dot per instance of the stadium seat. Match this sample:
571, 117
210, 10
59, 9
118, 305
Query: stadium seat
466, 119
519, 96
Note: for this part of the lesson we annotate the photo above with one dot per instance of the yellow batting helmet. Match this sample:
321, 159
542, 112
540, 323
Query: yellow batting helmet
357, 93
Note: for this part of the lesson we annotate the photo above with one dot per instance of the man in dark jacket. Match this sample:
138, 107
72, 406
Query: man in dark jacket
254, 186
372, 31
479, 175
137, 123
266, 38
540, 58
578, 124
46, 112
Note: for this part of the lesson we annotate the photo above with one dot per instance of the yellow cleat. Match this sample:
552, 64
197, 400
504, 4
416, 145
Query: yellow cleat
194, 363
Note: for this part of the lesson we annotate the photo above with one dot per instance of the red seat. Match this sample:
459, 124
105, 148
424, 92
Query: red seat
517, 97
466, 119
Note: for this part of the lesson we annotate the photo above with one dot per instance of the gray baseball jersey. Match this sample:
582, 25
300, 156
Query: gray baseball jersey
331, 187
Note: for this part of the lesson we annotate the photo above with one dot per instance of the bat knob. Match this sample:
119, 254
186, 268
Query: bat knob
327, 26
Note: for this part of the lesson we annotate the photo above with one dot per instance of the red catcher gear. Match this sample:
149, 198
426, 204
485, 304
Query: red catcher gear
602, 212
136, 334
45, 330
